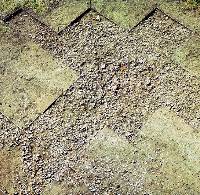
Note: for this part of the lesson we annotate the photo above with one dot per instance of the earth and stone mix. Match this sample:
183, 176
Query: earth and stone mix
96, 108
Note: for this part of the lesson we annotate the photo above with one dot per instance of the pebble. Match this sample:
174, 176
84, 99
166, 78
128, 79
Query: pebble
91, 105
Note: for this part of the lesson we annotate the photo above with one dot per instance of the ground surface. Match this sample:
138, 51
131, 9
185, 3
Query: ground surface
97, 108
129, 13
30, 82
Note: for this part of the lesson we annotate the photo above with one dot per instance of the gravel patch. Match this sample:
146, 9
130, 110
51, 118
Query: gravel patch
124, 77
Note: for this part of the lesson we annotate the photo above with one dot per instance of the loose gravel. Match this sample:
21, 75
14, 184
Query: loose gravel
124, 78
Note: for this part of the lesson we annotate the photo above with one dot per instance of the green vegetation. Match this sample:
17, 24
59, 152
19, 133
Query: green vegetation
126, 13
62, 16
40, 6
164, 159
3, 28
9, 5
129, 13
187, 12
30, 81
188, 55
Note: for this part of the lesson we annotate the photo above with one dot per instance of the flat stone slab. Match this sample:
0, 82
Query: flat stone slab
163, 159
185, 12
62, 16
31, 82
170, 150
188, 55
129, 13
113, 101
10, 168
39, 6
124, 13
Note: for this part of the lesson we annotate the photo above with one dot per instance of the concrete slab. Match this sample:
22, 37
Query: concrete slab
31, 82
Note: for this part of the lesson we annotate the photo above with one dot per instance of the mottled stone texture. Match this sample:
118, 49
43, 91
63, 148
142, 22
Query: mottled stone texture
127, 118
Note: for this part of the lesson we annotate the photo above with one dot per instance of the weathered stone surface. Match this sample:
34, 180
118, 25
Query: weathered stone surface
31, 82
10, 169
129, 13
125, 13
62, 16
125, 77
163, 159
188, 54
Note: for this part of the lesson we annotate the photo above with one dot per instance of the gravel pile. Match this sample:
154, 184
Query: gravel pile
124, 77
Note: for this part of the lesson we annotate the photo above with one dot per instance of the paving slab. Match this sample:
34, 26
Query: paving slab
10, 168
183, 11
188, 55
39, 6
88, 137
68, 11
115, 91
162, 159
129, 13
170, 149
125, 13
31, 79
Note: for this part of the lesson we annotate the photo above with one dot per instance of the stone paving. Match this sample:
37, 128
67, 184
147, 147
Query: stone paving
126, 80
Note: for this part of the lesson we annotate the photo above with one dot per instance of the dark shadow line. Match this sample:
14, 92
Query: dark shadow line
30, 12
146, 17
37, 19
76, 20
90, 4
52, 104
34, 16
152, 12
43, 112
11, 15
175, 20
